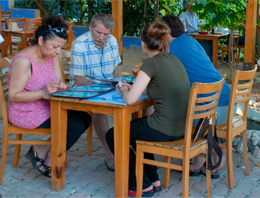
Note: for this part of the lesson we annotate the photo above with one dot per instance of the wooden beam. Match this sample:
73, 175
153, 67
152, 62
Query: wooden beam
0, 17
117, 13
250, 34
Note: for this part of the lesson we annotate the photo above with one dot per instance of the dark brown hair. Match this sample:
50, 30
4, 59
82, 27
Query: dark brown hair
47, 29
156, 36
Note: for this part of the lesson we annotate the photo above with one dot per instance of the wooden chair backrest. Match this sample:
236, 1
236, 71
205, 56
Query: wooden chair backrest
4, 65
31, 22
202, 106
6, 14
70, 25
235, 39
21, 23
240, 92
65, 61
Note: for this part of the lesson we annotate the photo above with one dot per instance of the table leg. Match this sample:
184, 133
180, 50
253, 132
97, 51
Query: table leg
58, 145
121, 150
215, 51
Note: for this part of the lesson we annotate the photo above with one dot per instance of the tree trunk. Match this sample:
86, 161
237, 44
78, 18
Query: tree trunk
41, 7
232, 57
156, 9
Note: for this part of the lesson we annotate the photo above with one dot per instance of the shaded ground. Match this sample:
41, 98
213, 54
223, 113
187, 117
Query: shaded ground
87, 175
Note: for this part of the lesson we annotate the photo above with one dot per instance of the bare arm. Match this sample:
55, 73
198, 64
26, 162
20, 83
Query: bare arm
133, 94
82, 80
116, 72
20, 74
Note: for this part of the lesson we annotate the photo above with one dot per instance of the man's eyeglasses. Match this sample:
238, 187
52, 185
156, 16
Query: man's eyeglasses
56, 29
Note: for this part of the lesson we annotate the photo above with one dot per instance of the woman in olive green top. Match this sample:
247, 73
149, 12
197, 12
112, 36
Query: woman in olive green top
167, 83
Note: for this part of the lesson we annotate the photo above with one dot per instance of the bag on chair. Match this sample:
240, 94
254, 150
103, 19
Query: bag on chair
201, 131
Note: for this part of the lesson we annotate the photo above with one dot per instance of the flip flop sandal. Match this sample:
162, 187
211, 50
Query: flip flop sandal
110, 164
48, 170
32, 156
195, 173
213, 175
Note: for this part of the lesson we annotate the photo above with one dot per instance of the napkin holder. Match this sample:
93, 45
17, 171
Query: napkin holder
13, 26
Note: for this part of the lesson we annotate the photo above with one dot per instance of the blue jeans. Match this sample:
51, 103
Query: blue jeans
208, 46
221, 115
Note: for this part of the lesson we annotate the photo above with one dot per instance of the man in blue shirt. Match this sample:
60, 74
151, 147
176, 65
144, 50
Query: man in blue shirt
192, 24
190, 18
199, 69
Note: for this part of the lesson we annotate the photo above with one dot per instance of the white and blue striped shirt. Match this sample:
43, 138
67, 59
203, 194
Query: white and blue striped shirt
87, 59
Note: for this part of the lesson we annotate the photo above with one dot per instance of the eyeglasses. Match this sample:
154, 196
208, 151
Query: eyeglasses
56, 29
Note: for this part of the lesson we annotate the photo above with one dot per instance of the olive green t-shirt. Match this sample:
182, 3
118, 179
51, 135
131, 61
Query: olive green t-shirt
169, 87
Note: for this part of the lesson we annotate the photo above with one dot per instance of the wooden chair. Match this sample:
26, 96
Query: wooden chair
5, 15
64, 60
240, 49
16, 41
70, 34
226, 49
10, 129
237, 126
30, 23
182, 149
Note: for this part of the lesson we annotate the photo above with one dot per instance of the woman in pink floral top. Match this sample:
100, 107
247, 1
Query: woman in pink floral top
33, 73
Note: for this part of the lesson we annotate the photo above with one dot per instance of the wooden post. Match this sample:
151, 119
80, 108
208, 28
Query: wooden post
0, 18
250, 34
117, 13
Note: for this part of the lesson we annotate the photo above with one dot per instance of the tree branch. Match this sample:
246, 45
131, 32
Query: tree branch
41, 8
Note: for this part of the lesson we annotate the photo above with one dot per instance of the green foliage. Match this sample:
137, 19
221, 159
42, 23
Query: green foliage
226, 13
81, 11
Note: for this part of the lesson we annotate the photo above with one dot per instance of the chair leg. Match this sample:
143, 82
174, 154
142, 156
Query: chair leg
17, 151
167, 172
139, 170
230, 164
208, 175
185, 177
4, 155
245, 153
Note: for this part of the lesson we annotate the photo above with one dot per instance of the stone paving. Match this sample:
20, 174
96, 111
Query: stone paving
87, 175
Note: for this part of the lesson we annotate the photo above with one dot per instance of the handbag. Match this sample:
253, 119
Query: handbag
205, 129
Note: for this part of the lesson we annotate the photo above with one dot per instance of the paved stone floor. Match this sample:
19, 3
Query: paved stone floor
87, 175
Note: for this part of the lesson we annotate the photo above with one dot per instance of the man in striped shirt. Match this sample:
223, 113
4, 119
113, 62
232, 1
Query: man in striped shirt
95, 56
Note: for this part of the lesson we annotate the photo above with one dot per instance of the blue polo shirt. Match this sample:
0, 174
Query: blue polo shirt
197, 64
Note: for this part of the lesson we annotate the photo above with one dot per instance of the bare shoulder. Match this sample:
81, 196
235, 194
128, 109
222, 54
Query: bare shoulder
21, 63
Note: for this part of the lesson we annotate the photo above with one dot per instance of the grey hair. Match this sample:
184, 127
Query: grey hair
104, 19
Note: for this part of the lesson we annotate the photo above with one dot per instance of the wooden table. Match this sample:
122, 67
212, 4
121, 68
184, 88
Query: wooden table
215, 38
122, 114
7, 34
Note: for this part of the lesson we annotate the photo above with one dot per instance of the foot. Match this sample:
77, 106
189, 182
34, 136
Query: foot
198, 163
110, 164
147, 192
222, 164
37, 163
157, 186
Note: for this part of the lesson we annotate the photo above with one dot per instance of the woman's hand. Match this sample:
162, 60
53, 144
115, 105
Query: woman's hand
55, 86
62, 86
124, 87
